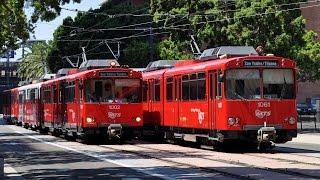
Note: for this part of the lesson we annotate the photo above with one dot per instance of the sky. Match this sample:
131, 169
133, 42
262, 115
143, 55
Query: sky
44, 30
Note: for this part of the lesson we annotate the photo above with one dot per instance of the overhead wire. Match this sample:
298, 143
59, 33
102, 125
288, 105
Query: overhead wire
183, 14
208, 14
182, 25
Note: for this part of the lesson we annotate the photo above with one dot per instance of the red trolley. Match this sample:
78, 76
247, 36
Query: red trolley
105, 101
229, 93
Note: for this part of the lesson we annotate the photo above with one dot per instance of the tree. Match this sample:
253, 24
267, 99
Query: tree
92, 30
277, 25
14, 26
34, 64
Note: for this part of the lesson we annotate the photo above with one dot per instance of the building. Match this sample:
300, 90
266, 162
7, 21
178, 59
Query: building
311, 12
11, 70
10, 82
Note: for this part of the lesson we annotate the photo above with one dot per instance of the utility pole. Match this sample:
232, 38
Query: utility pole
7, 67
151, 44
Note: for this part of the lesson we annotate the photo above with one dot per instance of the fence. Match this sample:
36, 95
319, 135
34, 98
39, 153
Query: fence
309, 122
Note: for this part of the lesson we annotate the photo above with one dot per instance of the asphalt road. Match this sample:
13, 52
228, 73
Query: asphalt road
29, 155
27, 158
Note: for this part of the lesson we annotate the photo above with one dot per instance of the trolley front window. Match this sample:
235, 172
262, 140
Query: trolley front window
278, 84
243, 84
113, 90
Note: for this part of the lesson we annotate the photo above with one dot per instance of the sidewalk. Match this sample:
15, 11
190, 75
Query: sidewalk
310, 138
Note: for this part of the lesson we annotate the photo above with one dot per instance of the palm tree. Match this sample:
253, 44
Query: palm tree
34, 64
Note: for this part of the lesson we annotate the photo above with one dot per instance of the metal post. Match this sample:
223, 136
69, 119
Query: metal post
7, 67
1, 167
300, 122
151, 44
317, 119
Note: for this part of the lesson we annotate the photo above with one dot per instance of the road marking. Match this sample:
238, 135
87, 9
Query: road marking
12, 173
144, 171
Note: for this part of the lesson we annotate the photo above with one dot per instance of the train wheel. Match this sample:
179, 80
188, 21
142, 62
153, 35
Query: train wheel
26, 126
43, 130
56, 132
69, 137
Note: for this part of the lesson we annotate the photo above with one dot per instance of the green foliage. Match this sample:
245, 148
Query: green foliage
33, 65
169, 49
309, 57
136, 54
13, 22
134, 51
277, 25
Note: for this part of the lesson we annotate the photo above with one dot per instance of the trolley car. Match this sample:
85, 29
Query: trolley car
94, 102
228, 94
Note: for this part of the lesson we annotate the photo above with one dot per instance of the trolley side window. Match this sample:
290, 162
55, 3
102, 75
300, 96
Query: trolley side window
185, 88
21, 93
169, 89
278, 83
145, 91
32, 95
219, 84
201, 86
69, 92
193, 87
46, 95
55, 94
156, 96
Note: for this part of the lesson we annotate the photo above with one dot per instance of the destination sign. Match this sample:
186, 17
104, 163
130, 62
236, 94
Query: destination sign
114, 74
260, 63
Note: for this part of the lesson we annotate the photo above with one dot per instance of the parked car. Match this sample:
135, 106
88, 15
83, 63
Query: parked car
313, 105
303, 109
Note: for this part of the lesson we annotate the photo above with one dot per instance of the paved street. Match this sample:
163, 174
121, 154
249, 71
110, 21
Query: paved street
32, 159
29, 155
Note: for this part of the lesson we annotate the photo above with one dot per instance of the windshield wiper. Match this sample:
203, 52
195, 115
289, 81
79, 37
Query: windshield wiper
283, 90
238, 95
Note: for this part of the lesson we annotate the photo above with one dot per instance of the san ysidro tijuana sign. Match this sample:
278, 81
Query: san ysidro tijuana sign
260, 63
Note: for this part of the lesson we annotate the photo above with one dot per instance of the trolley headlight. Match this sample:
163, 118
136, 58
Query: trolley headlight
292, 120
90, 120
232, 121
138, 119
113, 63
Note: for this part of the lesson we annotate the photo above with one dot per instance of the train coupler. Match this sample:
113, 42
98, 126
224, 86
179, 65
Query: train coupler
266, 137
115, 131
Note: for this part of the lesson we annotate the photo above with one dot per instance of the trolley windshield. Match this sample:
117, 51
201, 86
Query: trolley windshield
278, 84
243, 84
253, 83
113, 90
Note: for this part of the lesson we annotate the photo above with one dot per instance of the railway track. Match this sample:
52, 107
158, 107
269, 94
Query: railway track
158, 154
232, 165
